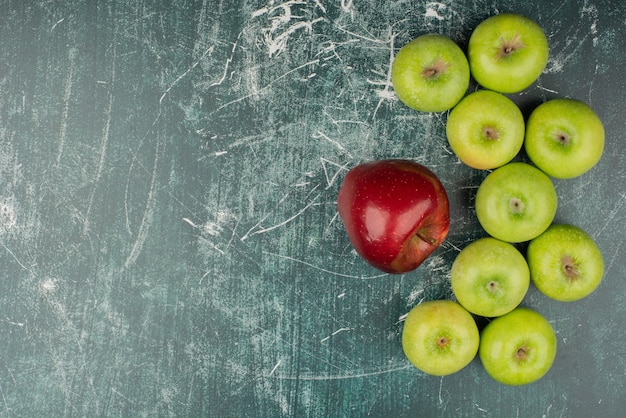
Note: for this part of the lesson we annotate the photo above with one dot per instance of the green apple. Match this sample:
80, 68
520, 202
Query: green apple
490, 277
564, 138
430, 73
516, 202
485, 130
507, 52
440, 337
518, 348
565, 263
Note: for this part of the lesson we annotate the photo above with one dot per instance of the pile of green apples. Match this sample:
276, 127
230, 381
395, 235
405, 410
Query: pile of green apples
396, 211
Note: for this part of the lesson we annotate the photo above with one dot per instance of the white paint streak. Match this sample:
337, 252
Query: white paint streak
275, 367
344, 329
350, 276
320, 134
386, 93
311, 377
306, 64
286, 221
104, 143
66, 103
433, 9
330, 180
612, 214
410, 300
194, 65
227, 64
281, 17
14, 256
148, 214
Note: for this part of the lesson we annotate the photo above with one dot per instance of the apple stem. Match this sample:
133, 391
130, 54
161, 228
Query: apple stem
429, 240
434, 70
491, 133
570, 269
510, 46
562, 138
442, 342
516, 205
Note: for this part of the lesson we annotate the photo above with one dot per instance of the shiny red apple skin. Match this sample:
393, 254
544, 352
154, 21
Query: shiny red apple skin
396, 213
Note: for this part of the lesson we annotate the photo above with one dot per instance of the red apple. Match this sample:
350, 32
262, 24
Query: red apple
395, 212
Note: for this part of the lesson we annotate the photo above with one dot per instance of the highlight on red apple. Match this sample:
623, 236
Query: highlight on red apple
396, 213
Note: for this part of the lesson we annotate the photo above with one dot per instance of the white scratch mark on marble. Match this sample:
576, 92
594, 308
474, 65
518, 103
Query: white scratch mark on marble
4, 401
57, 23
319, 4
330, 180
433, 9
315, 377
362, 37
189, 221
320, 134
276, 36
180, 77
347, 6
386, 93
268, 85
547, 89
410, 300
14, 256
286, 221
104, 143
335, 273
275, 367
440, 387
66, 103
148, 214
227, 64
212, 245
592, 11
611, 216
344, 329
479, 408
547, 411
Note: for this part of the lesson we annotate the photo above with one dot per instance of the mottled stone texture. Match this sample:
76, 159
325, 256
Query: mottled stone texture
169, 240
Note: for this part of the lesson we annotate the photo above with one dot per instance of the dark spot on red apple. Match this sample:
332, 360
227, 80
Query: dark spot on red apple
570, 269
508, 47
491, 133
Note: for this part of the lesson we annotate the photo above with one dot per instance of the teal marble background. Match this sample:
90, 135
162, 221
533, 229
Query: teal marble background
169, 240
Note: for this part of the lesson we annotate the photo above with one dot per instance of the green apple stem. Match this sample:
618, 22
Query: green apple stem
490, 132
570, 269
442, 342
562, 138
508, 47
521, 354
434, 70
492, 286
516, 205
